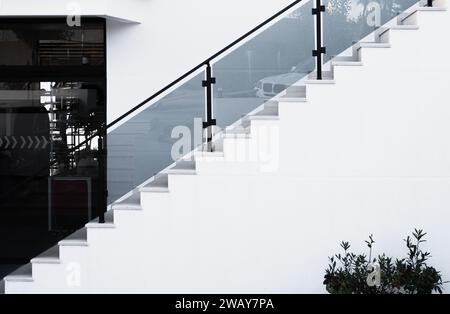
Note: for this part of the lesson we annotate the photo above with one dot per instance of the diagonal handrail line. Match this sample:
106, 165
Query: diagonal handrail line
102, 130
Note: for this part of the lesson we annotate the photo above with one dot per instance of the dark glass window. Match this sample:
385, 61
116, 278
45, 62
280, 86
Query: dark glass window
52, 97
32, 42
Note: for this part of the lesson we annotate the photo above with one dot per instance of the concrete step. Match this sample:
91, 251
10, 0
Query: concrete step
432, 9
22, 274
296, 91
183, 167
159, 185
373, 45
237, 132
78, 238
51, 256
405, 27
347, 63
131, 203
108, 224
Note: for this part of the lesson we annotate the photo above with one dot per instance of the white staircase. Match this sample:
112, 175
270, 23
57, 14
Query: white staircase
363, 151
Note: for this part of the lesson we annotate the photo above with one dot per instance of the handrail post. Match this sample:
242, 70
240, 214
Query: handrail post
317, 53
209, 122
102, 188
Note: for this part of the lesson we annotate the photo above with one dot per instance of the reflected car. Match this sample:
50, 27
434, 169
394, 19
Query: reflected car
271, 86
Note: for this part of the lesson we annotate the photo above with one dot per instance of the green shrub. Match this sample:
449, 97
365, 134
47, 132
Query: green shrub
350, 273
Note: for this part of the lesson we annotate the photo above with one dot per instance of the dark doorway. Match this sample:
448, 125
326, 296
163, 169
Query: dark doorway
52, 97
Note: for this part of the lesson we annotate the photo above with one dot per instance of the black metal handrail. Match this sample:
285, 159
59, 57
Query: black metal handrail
207, 83
205, 63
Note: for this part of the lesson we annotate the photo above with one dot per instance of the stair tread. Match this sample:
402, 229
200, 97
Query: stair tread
131, 203
49, 256
405, 27
109, 221
183, 167
237, 135
185, 164
326, 76
297, 91
79, 237
74, 242
374, 45
345, 59
347, 63
239, 130
159, 184
23, 273
293, 99
432, 9
271, 104
266, 112
106, 225
264, 117
324, 80
160, 181
201, 154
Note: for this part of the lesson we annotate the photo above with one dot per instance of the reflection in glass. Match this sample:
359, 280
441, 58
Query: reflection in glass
52, 97
52, 43
40, 122
264, 66
142, 146
348, 21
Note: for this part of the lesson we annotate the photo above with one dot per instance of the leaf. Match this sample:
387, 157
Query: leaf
410, 275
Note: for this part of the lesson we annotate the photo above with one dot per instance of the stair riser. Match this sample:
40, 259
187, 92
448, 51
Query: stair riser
98, 235
266, 138
400, 37
126, 217
238, 149
20, 287
73, 254
345, 74
156, 212
231, 168
372, 56
70, 276
315, 91
247, 155
154, 201
430, 21
179, 182
207, 165
43, 272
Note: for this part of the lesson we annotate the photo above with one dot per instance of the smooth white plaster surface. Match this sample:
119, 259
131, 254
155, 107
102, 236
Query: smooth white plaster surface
369, 154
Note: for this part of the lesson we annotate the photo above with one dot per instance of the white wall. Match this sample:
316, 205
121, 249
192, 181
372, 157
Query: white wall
368, 154
110, 8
